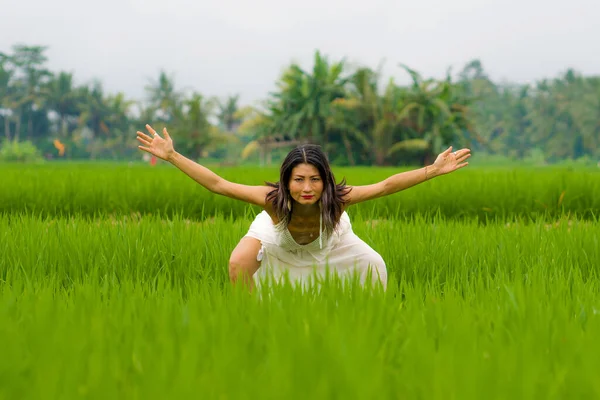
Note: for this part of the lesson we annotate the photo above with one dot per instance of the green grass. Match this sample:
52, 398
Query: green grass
113, 284
141, 308
106, 189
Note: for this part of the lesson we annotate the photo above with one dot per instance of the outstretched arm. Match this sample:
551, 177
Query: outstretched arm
163, 149
445, 163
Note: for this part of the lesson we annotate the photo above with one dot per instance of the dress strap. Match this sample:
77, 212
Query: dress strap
320, 227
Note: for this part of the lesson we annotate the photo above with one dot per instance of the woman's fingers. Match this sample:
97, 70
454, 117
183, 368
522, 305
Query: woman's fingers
144, 136
152, 131
463, 157
147, 142
144, 142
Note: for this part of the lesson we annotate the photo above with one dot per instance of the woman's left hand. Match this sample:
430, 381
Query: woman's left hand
449, 161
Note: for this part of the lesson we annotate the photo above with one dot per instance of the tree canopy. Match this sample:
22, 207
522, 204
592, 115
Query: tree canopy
355, 116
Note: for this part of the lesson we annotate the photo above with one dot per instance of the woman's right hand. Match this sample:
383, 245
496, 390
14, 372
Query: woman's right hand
156, 145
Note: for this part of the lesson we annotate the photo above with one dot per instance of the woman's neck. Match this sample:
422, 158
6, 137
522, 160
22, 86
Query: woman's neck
305, 210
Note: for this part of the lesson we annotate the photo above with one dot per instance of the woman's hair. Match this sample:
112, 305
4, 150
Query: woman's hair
331, 199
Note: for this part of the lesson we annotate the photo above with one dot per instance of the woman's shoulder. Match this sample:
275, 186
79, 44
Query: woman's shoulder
270, 211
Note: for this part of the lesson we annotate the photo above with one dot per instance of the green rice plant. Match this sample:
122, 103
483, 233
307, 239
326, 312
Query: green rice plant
113, 284
131, 307
490, 194
141, 249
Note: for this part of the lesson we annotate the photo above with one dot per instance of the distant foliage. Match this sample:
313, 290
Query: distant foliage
355, 116
24, 152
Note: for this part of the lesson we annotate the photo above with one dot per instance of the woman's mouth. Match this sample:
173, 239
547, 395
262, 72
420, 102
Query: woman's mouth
307, 197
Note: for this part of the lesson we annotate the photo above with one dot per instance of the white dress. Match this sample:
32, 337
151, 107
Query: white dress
343, 254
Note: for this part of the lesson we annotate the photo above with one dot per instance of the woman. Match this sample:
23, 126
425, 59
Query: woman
303, 232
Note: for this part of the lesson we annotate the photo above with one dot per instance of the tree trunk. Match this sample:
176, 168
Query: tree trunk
261, 155
30, 127
578, 147
428, 159
269, 156
7, 127
64, 126
18, 128
379, 157
93, 151
325, 138
348, 147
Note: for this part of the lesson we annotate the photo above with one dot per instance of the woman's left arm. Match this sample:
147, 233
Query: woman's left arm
445, 163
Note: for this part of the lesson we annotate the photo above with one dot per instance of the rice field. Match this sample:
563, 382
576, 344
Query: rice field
113, 284
485, 194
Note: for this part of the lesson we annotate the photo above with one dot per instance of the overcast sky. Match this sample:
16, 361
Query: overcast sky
241, 46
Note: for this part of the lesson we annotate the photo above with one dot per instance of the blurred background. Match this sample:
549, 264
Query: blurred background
378, 83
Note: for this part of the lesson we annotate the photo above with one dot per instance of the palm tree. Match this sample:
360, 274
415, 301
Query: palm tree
306, 98
227, 117
367, 118
163, 97
265, 128
120, 124
62, 98
434, 114
94, 114
6, 92
30, 60
192, 124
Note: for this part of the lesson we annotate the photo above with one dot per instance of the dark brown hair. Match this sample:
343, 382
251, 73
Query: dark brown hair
332, 198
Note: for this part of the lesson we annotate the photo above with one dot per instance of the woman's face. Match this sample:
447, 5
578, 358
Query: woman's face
306, 185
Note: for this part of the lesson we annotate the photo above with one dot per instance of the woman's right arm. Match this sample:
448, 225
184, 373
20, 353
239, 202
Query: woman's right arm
163, 149
216, 184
